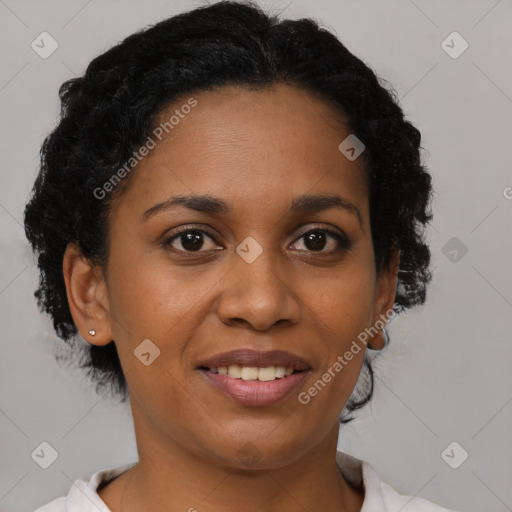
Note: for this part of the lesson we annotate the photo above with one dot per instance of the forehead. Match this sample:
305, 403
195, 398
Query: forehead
244, 144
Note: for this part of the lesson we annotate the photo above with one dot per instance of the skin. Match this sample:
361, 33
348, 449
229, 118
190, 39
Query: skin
257, 151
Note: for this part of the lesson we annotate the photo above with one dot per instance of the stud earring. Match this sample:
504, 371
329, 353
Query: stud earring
382, 339
92, 332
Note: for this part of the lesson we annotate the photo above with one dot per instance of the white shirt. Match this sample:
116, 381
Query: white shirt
379, 496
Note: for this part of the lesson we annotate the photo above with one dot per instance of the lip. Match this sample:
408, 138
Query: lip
255, 393
257, 359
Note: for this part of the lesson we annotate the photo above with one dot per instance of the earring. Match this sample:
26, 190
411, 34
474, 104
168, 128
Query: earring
387, 339
382, 340
92, 332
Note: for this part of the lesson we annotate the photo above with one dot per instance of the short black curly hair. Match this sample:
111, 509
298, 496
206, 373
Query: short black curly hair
108, 112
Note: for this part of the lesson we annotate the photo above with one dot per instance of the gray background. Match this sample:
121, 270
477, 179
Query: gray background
446, 376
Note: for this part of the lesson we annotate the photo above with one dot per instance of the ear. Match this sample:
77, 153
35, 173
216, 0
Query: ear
87, 297
384, 299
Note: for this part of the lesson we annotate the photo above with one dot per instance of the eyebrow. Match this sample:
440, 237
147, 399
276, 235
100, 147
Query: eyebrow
210, 204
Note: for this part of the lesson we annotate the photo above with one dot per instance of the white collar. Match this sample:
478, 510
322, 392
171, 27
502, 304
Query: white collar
362, 476
378, 496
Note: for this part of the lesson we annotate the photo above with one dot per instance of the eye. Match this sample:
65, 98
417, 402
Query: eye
190, 240
316, 240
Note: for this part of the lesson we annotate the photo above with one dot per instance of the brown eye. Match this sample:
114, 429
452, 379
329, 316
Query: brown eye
315, 241
189, 240
318, 239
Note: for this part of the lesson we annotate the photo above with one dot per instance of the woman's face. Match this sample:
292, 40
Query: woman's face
259, 268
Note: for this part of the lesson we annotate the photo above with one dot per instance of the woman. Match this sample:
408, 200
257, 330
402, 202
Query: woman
229, 211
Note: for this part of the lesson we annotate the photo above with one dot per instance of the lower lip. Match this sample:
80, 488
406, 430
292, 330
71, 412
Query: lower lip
255, 392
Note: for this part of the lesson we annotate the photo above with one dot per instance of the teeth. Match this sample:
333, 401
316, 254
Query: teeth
268, 373
249, 373
253, 373
235, 371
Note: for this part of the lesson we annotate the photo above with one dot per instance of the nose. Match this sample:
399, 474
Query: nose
258, 294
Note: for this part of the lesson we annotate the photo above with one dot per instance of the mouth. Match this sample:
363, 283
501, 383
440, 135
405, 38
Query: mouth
254, 378
263, 374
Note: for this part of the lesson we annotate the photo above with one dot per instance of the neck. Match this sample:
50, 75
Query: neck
171, 478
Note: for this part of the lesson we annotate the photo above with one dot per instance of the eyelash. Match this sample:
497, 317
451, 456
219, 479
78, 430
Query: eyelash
343, 242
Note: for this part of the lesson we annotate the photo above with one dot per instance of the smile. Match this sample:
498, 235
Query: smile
253, 373
252, 378
255, 392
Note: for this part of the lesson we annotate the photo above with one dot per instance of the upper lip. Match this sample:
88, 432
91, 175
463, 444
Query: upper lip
256, 359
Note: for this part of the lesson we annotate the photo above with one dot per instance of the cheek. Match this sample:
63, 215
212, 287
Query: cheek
344, 301
342, 310
159, 305
147, 298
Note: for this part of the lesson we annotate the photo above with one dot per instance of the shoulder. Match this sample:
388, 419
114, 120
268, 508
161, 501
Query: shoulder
379, 495
84, 493
394, 501
58, 505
